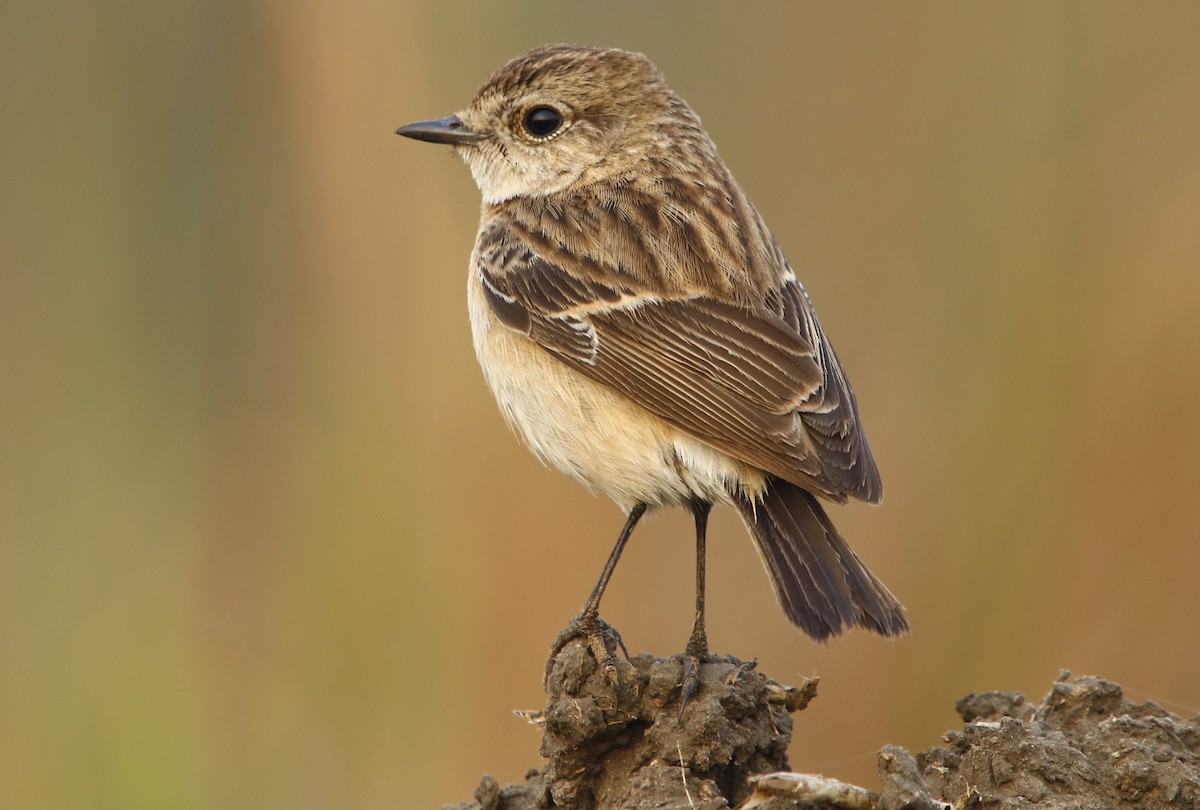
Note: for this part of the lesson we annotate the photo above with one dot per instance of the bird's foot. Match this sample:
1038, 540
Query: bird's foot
694, 656
602, 639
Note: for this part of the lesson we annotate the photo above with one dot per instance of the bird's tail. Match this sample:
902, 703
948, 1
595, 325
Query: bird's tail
823, 586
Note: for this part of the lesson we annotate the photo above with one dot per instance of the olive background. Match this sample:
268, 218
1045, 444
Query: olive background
265, 541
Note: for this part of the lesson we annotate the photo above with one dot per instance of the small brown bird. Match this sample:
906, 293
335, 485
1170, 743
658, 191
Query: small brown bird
643, 332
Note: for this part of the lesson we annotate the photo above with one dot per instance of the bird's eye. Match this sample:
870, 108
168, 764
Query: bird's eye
542, 122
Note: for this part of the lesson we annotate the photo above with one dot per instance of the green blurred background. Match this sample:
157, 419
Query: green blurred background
265, 541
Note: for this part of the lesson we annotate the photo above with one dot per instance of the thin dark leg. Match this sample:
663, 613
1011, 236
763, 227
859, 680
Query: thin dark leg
592, 606
698, 643
588, 625
697, 646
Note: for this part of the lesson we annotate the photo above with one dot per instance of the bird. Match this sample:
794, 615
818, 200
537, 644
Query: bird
643, 332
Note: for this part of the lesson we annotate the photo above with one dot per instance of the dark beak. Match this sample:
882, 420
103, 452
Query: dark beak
444, 130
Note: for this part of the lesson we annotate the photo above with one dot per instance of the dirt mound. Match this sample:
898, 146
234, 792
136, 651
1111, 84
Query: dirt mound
631, 747
1085, 746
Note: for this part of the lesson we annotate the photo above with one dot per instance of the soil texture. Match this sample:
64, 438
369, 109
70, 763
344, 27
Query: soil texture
629, 745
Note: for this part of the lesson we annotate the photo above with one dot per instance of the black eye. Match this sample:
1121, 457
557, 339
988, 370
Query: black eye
542, 122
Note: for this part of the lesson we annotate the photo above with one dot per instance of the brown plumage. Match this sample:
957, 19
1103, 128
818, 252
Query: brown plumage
642, 330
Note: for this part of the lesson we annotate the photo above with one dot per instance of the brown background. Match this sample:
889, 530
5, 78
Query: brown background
265, 541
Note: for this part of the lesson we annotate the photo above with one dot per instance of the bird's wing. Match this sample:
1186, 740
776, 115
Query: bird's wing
762, 384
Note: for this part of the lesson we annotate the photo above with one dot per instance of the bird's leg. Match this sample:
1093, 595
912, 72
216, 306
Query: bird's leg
588, 624
697, 646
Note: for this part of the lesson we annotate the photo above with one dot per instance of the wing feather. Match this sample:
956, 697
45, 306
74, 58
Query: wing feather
757, 380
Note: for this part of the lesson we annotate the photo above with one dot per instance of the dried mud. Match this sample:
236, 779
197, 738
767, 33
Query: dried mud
1084, 746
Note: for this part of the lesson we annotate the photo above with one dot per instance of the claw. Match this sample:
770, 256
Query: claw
599, 635
690, 682
692, 661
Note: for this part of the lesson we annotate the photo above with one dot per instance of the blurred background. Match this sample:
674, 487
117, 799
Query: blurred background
265, 541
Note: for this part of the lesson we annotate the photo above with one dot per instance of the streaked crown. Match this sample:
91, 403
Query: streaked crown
562, 115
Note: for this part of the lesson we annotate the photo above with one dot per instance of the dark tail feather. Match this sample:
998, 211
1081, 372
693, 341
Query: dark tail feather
823, 586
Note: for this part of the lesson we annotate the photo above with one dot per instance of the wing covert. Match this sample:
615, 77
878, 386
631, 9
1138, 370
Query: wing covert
761, 384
